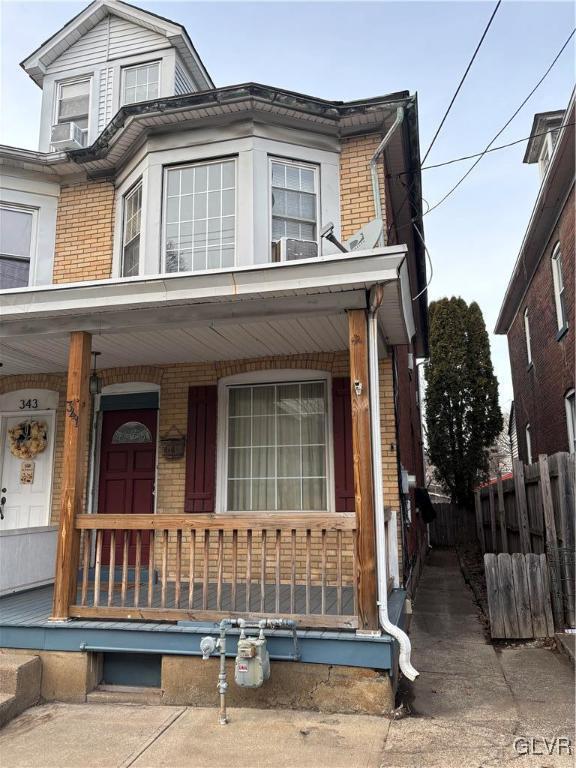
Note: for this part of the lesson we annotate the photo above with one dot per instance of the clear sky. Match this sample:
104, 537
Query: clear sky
350, 50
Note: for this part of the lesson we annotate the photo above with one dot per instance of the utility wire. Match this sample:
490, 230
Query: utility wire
477, 154
506, 124
461, 83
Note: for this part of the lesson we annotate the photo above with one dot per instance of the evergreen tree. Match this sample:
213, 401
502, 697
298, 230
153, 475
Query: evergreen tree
462, 413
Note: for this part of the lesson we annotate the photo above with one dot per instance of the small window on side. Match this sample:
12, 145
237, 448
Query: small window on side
527, 336
73, 104
131, 231
559, 289
570, 404
528, 445
294, 204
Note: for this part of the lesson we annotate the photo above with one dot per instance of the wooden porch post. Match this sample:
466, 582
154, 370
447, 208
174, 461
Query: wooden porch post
363, 482
74, 472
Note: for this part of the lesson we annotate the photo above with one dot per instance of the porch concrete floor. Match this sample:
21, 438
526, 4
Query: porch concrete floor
469, 704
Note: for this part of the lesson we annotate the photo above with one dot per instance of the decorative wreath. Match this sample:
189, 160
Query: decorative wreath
28, 439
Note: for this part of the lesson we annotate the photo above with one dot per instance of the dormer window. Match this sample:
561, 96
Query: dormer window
73, 105
545, 154
140, 83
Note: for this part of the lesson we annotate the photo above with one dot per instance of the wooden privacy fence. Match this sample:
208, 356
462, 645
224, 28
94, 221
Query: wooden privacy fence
533, 513
518, 593
453, 525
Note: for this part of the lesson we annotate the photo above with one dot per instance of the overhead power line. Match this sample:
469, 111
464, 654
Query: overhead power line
506, 124
462, 79
477, 154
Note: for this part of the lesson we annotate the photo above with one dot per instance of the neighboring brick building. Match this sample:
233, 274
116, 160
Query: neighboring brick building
237, 443
538, 311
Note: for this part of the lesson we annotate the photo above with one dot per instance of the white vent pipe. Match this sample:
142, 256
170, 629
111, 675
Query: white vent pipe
392, 629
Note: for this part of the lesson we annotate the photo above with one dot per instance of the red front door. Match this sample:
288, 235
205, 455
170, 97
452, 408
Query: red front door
127, 474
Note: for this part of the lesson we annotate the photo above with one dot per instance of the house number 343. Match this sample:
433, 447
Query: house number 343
30, 404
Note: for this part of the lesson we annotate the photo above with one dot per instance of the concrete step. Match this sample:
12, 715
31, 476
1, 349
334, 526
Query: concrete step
566, 644
124, 694
20, 678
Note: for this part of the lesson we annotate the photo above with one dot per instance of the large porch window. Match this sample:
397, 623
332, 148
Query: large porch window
277, 447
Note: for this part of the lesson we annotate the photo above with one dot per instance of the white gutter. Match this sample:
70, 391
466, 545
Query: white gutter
392, 629
374, 169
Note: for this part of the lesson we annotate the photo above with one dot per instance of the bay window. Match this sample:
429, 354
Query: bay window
200, 216
131, 232
16, 230
277, 447
294, 190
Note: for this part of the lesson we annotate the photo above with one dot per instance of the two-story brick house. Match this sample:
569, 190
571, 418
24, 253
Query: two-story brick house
208, 393
537, 313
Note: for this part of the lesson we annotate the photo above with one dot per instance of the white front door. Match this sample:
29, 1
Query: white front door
25, 483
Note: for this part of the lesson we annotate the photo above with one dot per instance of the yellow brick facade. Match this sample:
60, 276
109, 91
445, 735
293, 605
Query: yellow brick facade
84, 232
356, 198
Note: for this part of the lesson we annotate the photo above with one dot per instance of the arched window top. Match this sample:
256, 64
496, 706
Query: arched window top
132, 432
556, 250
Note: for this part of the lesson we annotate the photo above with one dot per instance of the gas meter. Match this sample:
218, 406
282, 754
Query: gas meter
252, 667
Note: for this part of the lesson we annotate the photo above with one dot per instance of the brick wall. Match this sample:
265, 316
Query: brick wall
84, 232
539, 390
356, 199
174, 381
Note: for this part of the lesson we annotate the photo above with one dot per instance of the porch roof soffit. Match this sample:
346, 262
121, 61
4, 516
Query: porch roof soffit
325, 285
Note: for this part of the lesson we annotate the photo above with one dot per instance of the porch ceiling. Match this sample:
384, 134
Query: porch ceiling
254, 312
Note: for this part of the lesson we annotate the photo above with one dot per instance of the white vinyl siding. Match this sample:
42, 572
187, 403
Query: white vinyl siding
277, 453
182, 82
200, 216
140, 82
16, 235
570, 405
132, 227
111, 38
527, 337
105, 97
559, 288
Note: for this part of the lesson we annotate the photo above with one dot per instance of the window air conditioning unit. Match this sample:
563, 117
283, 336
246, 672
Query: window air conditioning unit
292, 250
67, 136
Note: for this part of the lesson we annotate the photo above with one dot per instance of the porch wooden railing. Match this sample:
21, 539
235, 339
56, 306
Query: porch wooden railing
184, 567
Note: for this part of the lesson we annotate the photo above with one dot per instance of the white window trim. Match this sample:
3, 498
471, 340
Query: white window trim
180, 166
546, 145
33, 237
528, 438
527, 336
570, 421
317, 189
269, 377
124, 69
70, 81
137, 185
561, 321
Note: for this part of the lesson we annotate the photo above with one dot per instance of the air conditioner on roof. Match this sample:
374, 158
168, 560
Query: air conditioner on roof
292, 250
67, 136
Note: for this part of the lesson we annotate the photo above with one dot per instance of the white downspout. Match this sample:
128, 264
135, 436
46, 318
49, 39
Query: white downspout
392, 629
374, 170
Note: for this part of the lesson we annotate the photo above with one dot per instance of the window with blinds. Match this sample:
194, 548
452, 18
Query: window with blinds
16, 227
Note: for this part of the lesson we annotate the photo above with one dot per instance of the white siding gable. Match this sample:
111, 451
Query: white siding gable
112, 38
182, 82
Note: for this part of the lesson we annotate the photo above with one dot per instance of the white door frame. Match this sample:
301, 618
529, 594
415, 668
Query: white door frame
4, 416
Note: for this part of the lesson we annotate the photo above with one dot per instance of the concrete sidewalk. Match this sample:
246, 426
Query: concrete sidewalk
473, 700
469, 705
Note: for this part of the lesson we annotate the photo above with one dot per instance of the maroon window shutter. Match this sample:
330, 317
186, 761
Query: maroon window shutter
201, 450
343, 460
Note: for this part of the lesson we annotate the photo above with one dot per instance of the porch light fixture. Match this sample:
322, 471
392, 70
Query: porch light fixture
95, 384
